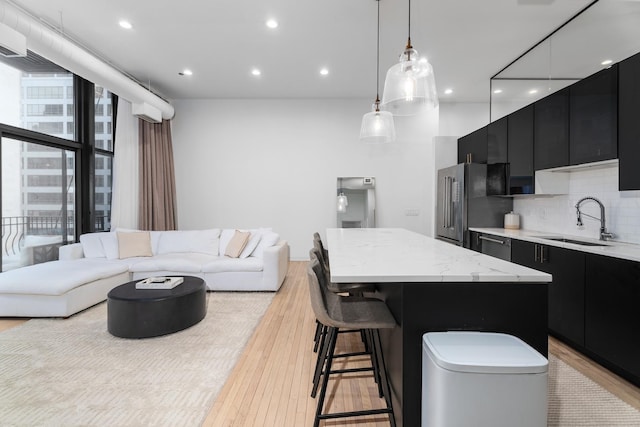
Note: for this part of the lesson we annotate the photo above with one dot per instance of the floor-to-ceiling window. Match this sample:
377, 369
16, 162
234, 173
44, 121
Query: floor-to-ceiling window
104, 132
51, 189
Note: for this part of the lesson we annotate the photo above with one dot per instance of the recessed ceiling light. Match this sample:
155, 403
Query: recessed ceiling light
186, 72
533, 91
606, 62
255, 72
497, 91
125, 24
448, 91
272, 23
324, 71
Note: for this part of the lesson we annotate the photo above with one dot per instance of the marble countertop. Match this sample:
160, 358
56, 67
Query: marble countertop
398, 255
612, 248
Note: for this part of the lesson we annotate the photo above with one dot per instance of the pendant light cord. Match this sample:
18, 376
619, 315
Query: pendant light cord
409, 29
409, 26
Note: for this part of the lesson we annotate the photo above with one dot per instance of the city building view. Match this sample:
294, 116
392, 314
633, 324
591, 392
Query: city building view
38, 179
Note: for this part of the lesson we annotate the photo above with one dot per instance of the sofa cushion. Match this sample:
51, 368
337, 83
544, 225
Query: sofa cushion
237, 243
267, 240
183, 262
92, 245
200, 241
57, 277
110, 244
233, 264
134, 244
225, 238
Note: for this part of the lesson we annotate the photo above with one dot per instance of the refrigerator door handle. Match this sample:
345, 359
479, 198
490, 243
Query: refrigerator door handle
449, 201
445, 204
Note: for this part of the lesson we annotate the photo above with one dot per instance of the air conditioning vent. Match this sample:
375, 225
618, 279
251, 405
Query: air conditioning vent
147, 112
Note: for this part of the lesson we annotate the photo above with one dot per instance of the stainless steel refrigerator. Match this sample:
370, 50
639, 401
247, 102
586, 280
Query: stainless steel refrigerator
463, 202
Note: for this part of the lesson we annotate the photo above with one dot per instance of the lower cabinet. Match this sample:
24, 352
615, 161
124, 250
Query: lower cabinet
474, 241
612, 322
594, 302
566, 292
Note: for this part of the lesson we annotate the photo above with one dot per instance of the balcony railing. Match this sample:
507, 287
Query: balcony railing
48, 233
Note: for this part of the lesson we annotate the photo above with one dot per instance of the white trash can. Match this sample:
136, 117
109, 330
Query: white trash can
482, 379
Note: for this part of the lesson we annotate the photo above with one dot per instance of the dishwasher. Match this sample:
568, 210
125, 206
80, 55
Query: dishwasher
499, 247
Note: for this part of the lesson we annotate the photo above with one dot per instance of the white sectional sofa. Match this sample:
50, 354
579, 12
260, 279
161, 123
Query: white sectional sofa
86, 271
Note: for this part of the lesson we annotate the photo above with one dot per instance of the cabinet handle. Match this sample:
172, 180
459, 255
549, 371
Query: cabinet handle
536, 258
543, 254
489, 239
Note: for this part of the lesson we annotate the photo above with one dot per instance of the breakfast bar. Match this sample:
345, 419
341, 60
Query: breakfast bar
429, 286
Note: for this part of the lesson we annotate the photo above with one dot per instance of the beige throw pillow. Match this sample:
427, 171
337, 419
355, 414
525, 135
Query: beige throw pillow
237, 243
137, 243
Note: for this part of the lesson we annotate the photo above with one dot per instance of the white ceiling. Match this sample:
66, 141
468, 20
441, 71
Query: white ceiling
467, 42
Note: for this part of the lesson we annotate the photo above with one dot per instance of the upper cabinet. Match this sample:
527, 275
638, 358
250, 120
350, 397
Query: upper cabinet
593, 118
497, 144
629, 123
551, 131
520, 151
472, 148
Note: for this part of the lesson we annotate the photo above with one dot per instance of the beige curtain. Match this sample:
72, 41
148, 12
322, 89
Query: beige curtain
157, 177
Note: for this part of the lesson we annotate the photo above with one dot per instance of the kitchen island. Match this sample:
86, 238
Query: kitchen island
430, 285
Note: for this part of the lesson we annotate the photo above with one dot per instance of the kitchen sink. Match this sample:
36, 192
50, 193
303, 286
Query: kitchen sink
575, 242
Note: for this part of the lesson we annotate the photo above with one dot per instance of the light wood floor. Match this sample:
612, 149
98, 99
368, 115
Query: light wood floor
271, 382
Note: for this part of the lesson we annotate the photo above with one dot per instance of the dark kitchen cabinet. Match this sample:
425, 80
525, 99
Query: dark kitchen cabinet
474, 241
497, 142
472, 148
629, 123
593, 118
566, 292
611, 315
551, 131
520, 151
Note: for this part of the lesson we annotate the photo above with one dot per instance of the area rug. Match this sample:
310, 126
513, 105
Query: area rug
575, 400
72, 372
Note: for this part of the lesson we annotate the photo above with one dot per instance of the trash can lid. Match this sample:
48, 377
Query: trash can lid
483, 352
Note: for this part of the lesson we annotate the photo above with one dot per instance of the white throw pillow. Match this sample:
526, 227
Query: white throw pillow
252, 244
267, 240
134, 244
92, 245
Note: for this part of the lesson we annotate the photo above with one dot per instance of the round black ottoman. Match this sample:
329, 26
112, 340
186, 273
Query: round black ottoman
143, 313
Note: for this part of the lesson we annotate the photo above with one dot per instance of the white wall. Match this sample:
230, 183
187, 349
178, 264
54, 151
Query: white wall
459, 119
274, 163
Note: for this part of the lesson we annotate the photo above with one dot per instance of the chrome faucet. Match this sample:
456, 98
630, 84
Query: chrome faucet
604, 235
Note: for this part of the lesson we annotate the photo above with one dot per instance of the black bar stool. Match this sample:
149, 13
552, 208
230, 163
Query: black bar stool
337, 312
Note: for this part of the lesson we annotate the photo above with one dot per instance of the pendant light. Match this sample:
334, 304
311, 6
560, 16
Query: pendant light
377, 126
341, 202
410, 84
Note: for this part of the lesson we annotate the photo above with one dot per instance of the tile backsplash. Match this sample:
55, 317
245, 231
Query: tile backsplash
557, 214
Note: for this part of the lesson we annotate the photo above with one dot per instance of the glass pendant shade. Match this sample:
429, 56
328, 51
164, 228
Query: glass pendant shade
377, 126
410, 85
342, 202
